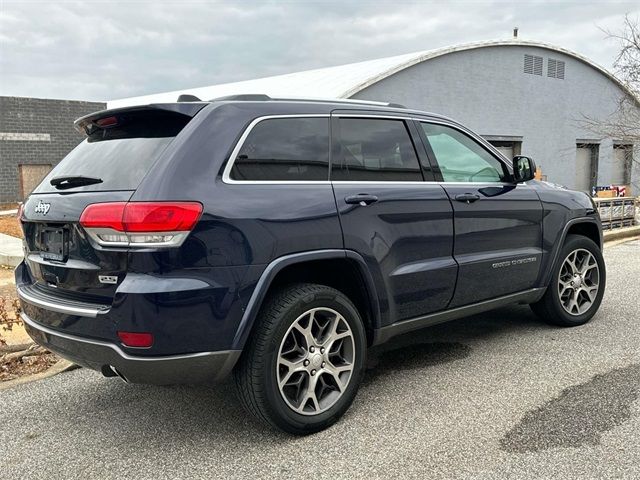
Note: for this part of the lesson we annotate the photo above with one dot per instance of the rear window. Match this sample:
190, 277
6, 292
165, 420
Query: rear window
120, 154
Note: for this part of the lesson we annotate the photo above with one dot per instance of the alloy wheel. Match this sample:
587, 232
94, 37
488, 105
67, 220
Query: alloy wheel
578, 282
315, 361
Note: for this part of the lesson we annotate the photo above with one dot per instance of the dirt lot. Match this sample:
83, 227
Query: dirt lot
7, 284
16, 335
9, 226
13, 364
27, 365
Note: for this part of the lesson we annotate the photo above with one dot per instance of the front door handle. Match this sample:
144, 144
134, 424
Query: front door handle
467, 197
362, 199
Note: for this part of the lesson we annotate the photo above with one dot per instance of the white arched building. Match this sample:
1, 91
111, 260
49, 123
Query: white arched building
523, 96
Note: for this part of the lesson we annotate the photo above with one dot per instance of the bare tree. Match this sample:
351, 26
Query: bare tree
624, 123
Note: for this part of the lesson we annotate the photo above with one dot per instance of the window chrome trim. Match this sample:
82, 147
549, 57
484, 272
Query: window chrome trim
430, 182
226, 174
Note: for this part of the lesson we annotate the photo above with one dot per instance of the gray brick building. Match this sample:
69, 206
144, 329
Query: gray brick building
35, 134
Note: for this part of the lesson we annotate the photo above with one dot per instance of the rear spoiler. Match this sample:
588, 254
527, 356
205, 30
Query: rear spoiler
85, 124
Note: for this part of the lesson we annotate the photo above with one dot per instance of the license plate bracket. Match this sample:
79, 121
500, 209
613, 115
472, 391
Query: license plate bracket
53, 243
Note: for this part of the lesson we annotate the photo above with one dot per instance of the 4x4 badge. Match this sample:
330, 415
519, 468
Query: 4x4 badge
42, 207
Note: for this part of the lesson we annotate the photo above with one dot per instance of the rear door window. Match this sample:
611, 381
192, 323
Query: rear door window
121, 153
374, 149
285, 149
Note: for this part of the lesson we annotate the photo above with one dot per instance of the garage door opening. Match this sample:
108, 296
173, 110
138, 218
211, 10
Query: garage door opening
622, 162
586, 166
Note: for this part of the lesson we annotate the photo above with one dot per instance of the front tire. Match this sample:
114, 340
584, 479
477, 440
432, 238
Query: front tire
304, 361
577, 284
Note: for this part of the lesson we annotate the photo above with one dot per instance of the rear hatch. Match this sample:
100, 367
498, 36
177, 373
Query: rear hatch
120, 150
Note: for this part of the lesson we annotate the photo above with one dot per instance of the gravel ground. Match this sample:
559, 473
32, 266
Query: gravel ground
497, 395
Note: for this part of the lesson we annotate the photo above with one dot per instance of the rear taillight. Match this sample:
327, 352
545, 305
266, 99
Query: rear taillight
140, 224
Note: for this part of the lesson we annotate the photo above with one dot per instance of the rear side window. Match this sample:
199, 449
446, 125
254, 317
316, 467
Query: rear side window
121, 153
285, 149
372, 149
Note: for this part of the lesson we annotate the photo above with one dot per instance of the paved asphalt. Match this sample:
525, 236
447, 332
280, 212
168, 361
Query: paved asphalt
498, 395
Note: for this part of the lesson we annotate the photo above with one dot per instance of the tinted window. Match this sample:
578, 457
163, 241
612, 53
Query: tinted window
285, 149
460, 158
121, 154
374, 150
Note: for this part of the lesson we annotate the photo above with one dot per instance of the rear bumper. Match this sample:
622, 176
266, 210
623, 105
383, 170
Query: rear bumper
188, 311
108, 358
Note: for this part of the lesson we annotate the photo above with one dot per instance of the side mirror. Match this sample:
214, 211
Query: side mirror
524, 168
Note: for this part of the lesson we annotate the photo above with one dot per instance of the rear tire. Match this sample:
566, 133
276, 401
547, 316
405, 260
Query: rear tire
304, 361
577, 284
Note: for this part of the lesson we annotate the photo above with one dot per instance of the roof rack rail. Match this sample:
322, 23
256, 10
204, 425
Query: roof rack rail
245, 97
261, 97
343, 100
185, 97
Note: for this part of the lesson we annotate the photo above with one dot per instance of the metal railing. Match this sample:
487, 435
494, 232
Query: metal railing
618, 212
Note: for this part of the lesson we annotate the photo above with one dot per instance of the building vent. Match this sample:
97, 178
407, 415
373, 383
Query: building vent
555, 68
532, 64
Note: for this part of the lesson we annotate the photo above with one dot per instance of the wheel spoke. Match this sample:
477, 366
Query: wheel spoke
573, 304
293, 367
571, 261
591, 292
310, 395
306, 332
589, 264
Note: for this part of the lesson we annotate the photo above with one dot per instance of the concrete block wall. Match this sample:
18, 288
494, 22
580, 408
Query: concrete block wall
36, 131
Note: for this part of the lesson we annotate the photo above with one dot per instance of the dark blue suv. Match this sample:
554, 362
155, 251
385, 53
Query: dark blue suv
279, 239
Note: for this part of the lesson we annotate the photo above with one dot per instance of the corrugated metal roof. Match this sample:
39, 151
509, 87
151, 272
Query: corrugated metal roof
337, 82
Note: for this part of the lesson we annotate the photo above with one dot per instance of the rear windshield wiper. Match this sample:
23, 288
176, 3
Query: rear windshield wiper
73, 181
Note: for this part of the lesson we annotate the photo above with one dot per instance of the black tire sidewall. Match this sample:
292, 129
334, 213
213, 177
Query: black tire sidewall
575, 242
278, 409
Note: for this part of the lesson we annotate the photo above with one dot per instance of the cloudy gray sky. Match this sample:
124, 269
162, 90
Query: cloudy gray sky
103, 50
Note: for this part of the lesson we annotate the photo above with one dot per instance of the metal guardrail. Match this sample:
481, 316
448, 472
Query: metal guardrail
618, 212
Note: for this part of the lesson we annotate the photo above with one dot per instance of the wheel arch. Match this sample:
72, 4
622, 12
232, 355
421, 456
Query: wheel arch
354, 280
585, 229
586, 226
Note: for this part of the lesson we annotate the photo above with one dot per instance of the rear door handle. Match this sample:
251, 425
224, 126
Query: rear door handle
467, 197
362, 199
